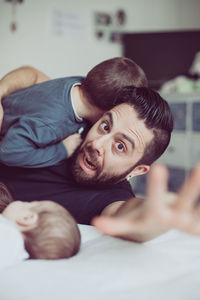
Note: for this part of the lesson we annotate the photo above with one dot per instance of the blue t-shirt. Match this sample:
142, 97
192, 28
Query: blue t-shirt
36, 120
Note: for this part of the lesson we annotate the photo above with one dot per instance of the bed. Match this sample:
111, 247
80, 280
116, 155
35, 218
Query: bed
167, 267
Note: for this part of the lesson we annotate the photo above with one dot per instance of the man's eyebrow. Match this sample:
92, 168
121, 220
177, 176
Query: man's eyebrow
126, 137
109, 115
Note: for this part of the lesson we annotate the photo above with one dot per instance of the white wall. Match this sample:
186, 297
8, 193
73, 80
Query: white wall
74, 54
154, 15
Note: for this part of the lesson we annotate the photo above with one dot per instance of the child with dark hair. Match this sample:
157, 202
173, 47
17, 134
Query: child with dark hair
39, 119
38, 229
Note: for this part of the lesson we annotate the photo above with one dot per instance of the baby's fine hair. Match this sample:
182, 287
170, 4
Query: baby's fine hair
105, 80
56, 235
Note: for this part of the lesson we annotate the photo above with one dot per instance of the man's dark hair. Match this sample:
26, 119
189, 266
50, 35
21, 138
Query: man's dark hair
155, 112
104, 81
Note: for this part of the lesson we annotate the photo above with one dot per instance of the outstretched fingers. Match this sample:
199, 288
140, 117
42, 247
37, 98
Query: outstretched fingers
188, 213
190, 191
140, 220
157, 188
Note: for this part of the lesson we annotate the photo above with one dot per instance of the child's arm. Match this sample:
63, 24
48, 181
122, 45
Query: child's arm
20, 78
71, 143
31, 144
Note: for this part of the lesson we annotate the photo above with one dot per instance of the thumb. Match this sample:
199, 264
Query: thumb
110, 225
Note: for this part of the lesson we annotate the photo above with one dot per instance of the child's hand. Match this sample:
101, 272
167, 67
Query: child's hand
72, 142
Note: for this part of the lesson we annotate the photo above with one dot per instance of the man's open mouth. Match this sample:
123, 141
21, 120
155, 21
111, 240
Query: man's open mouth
88, 163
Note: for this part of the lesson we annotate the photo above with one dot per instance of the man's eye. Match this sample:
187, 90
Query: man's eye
104, 126
120, 146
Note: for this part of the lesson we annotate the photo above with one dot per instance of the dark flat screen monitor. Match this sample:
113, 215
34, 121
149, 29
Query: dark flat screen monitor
162, 55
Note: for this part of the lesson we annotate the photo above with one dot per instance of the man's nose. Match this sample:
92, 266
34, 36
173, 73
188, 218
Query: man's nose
99, 144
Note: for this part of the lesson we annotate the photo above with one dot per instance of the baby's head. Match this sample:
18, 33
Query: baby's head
49, 231
105, 80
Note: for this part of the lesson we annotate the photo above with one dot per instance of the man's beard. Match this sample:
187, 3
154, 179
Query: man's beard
100, 178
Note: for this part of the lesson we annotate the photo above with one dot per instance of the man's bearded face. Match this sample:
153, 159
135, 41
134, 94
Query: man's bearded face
112, 148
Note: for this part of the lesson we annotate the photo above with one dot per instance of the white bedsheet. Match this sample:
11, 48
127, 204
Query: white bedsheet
107, 268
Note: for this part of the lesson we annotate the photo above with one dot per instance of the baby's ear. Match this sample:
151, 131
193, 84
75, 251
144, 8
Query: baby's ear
27, 220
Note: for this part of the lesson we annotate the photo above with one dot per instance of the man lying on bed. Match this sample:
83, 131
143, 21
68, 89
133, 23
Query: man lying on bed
121, 145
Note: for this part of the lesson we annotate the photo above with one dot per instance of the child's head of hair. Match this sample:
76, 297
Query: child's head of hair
105, 80
48, 229
56, 235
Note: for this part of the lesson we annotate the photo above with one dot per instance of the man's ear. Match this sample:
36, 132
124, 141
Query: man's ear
139, 170
27, 220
